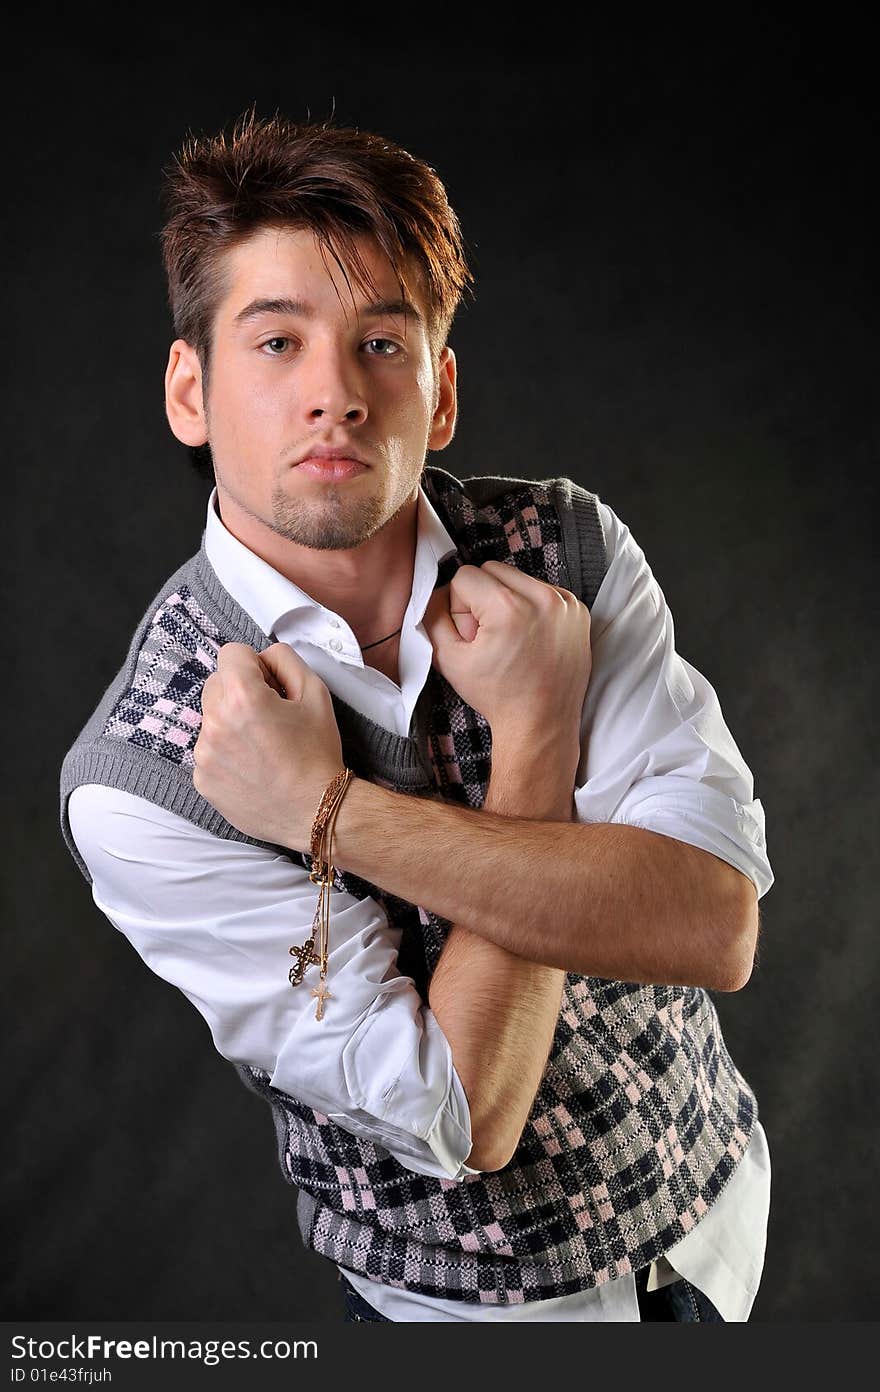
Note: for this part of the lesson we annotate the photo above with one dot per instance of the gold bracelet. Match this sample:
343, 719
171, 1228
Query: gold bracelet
321, 874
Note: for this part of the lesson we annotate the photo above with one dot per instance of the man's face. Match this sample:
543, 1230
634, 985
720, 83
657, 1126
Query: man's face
322, 372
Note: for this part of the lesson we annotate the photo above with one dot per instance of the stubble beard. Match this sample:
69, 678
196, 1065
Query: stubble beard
334, 523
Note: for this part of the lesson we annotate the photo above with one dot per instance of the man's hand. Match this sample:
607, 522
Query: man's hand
515, 648
269, 743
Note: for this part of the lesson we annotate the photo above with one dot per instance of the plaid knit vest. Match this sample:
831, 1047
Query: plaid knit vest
641, 1116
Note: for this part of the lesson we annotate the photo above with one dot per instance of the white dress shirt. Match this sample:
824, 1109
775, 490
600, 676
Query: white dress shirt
216, 918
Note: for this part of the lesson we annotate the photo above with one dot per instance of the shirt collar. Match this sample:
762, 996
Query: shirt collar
268, 596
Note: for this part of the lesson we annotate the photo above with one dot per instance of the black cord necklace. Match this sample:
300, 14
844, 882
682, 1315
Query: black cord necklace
382, 640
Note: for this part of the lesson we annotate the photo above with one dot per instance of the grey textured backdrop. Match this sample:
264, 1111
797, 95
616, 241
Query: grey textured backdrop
670, 239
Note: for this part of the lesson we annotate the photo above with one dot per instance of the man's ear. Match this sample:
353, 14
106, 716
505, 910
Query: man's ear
184, 404
446, 410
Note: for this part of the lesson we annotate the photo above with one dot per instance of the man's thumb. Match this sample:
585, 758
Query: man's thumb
465, 623
444, 627
284, 670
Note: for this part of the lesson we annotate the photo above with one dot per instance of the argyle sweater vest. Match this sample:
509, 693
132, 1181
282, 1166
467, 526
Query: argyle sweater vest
641, 1116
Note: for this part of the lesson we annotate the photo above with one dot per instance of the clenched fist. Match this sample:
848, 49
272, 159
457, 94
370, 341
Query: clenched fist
269, 743
515, 648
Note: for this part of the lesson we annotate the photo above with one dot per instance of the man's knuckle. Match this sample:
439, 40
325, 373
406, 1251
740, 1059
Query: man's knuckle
548, 600
236, 699
511, 600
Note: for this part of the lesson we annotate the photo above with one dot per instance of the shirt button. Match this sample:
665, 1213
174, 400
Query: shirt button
334, 623
335, 645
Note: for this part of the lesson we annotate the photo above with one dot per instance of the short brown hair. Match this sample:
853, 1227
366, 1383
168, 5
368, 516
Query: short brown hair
339, 182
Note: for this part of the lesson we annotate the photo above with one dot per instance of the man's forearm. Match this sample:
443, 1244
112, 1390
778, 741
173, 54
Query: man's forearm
499, 1010
599, 899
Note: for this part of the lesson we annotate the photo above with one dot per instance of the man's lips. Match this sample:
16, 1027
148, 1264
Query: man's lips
337, 468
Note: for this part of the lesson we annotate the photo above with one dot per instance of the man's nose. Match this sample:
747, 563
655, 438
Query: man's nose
332, 386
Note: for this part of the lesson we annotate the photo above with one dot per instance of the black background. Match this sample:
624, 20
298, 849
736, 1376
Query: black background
669, 232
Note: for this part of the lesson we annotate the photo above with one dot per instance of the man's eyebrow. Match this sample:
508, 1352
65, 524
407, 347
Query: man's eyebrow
285, 305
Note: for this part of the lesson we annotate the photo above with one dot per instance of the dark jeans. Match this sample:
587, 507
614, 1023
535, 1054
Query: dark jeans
680, 1301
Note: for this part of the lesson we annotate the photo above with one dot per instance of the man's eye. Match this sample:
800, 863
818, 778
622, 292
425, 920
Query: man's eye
395, 346
384, 353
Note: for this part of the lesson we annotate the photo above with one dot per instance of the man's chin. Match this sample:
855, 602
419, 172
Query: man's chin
322, 532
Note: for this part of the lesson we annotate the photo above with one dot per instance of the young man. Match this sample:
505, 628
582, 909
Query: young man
498, 1079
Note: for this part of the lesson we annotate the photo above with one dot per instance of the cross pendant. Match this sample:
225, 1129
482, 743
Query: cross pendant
323, 994
305, 956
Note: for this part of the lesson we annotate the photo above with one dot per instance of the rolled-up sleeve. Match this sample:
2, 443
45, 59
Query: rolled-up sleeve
216, 919
655, 749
